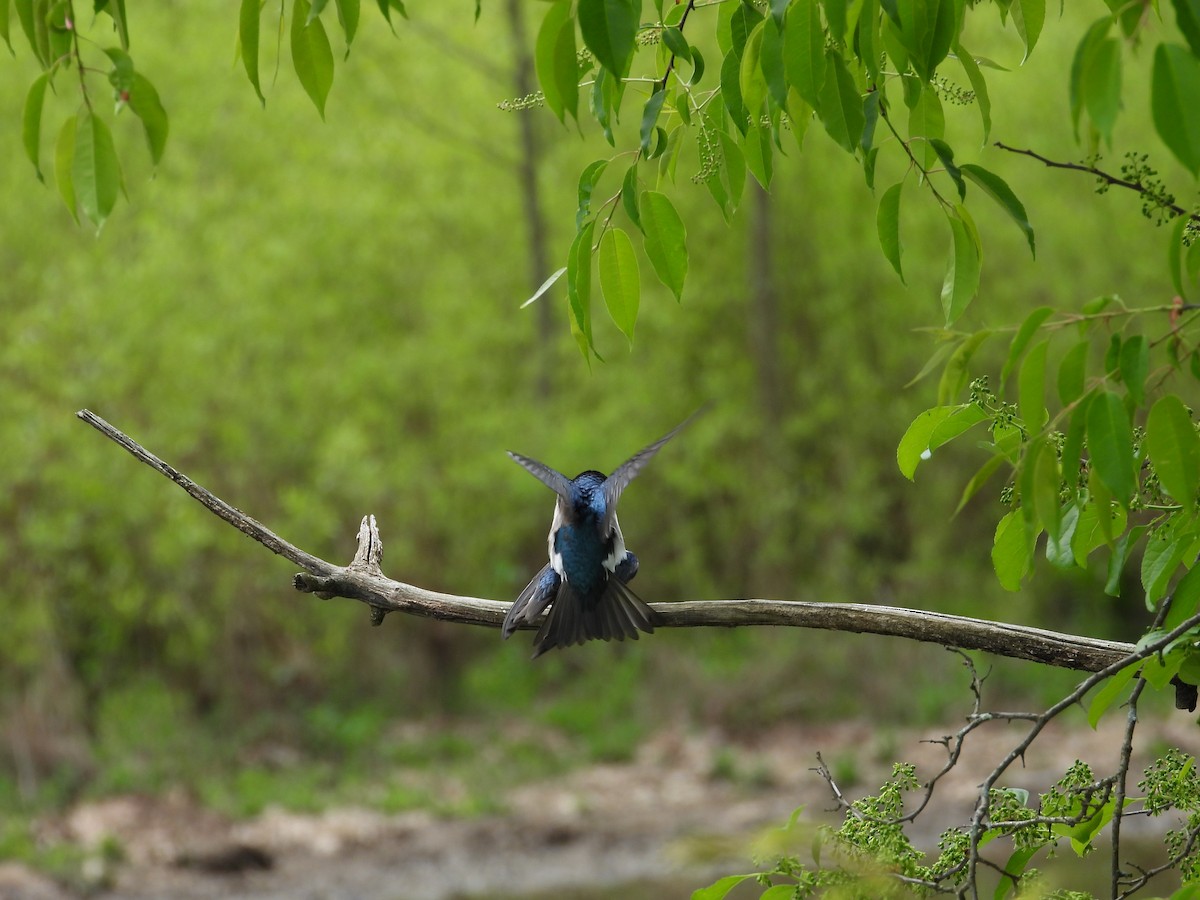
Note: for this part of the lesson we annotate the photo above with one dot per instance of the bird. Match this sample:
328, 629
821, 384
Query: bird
586, 581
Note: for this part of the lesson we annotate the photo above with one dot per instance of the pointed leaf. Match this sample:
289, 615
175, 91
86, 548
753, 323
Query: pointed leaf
1174, 449
95, 171
629, 199
1175, 87
1031, 388
1029, 16
556, 62
997, 188
1072, 373
1025, 333
1135, 364
841, 108
248, 38
619, 279
1110, 442
609, 28
64, 163
579, 287
1184, 600
978, 85
804, 50
312, 57
587, 184
887, 223
1012, 550
143, 100
962, 273
666, 240
650, 119
1187, 17
31, 128
914, 446
348, 14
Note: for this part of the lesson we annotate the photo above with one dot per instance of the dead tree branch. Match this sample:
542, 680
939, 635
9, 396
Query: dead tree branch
364, 580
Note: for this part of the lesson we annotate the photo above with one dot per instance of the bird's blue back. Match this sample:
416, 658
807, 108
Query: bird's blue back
579, 541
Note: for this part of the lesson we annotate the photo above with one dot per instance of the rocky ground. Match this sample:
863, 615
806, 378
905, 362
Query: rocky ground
682, 812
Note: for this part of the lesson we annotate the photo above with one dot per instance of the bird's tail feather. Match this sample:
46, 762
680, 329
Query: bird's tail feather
533, 600
619, 613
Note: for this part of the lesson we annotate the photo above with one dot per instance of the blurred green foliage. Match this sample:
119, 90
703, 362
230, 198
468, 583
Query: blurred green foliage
320, 321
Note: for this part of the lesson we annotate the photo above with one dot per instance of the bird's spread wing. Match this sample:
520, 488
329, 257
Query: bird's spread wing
533, 600
628, 470
556, 481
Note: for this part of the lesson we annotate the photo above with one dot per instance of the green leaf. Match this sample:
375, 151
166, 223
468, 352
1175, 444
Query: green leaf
4, 33
804, 50
1102, 86
31, 121
1104, 698
95, 171
1135, 364
926, 29
751, 82
773, 64
629, 200
926, 119
1073, 446
759, 159
1185, 600
887, 223
1031, 388
978, 85
143, 100
619, 279
1046, 480
1119, 556
954, 377
666, 240
1164, 552
248, 38
731, 91
1187, 17
116, 11
609, 28
1029, 16
841, 108
1024, 334
945, 155
1082, 63
914, 446
676, 43
587, 184
556, 61
962, 273
348, 15
1072, 373
721, 888
1174, 449
1110, 441
869, 43
64, 163
1091, 530
1058, 544
315, 10
1012, 550
978, 480
996, 188
958, 423
1173, 93
312, 57
579, 288
650, 119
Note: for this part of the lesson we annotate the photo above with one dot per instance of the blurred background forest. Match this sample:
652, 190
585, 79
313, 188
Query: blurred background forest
318, 321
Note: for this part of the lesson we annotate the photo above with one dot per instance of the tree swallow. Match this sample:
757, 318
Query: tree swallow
586, 582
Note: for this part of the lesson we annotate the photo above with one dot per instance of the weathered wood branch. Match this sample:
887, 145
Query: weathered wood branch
363, 580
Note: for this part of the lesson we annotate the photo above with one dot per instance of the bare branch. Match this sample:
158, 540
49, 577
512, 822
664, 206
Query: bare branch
363, 580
